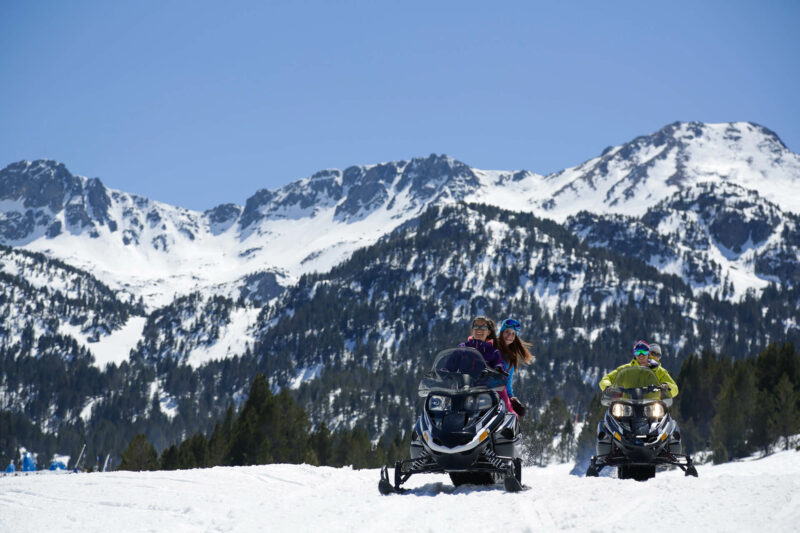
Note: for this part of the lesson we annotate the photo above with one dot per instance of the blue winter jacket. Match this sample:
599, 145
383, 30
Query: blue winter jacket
510, 370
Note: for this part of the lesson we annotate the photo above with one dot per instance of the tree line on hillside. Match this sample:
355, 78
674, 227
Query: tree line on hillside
270, 428
736, 408
732, 408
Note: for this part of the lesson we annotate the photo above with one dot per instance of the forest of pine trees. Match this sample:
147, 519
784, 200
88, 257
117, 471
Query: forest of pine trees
270, 428
731, 408
736, 408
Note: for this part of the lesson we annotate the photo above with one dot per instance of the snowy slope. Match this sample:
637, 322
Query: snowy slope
112, 348
755, 495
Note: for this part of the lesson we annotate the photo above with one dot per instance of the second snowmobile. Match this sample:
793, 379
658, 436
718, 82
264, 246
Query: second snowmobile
464, 429
637, 433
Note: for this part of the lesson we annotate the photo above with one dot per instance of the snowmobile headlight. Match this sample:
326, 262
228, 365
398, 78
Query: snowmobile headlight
654, 410
477, 402
618, 410
483, 401
439, 403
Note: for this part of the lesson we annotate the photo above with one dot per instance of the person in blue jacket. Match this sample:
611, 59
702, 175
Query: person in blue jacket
514, 352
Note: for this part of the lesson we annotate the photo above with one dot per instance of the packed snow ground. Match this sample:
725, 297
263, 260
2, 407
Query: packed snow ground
753, 495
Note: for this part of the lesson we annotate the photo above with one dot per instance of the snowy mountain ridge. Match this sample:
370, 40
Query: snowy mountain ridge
156, 251
630, 178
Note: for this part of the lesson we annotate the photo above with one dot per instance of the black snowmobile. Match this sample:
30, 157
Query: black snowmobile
464, 429
638, 433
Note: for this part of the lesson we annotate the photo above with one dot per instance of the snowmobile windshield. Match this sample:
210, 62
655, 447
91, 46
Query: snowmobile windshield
636, 385
461, 369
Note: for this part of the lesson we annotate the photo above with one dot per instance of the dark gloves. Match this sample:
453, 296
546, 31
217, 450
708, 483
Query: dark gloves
517, 405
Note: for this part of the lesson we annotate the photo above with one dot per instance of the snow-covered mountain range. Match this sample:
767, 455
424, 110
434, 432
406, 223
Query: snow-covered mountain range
122, 314
157, 251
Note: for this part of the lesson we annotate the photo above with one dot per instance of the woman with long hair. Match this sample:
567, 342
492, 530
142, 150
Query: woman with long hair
483, 339
514, 352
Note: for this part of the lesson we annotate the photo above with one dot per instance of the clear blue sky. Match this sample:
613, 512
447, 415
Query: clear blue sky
199, 103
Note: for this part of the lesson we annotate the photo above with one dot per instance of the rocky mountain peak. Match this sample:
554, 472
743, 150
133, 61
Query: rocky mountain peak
44, 189
38, 184
631, 177
357, 191
432, 175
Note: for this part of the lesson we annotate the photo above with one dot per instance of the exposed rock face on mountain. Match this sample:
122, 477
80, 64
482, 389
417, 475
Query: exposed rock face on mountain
720, 237
357, 192
43, 190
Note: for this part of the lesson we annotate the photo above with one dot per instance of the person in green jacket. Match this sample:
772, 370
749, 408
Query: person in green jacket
641, 357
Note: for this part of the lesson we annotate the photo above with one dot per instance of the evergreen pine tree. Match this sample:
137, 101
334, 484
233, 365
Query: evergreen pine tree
535, 441
220, 438
353, 448
566, 443
139, 455
193, 452
731, 428
289, 435
785, 418
700, 380
169, 458
761, 435
249, 444
322, 445
398, 448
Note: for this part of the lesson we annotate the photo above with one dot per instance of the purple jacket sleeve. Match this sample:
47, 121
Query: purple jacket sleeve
495, 359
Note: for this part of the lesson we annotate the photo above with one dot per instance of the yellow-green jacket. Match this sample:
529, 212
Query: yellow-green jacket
662, 375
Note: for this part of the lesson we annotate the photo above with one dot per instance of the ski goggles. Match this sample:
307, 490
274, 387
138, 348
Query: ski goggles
641, 345
641, 351
510, 323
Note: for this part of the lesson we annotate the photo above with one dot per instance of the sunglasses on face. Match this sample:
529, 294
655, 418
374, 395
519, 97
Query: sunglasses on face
480, 327
641, 352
